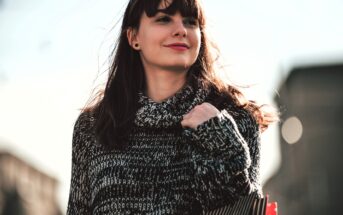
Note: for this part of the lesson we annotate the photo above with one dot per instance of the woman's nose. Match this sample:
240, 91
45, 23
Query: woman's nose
180, 29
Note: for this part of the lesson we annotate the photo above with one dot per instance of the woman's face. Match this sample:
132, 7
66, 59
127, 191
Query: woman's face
169, 42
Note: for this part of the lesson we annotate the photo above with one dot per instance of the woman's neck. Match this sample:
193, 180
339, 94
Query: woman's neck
163, 84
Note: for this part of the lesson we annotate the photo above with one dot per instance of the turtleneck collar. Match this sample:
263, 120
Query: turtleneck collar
169, 112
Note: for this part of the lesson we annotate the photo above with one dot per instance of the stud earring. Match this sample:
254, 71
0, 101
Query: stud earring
136, 45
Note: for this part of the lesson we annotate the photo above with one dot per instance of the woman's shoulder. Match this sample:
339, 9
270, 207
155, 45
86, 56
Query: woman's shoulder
84, 122
83, 127
84, 119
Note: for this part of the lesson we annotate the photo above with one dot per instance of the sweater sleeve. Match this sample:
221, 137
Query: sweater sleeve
222, 159
79, 193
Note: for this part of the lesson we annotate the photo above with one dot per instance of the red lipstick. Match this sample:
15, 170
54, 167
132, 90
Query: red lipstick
178, 46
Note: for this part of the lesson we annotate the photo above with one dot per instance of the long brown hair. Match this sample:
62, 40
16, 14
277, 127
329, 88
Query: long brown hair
115, 106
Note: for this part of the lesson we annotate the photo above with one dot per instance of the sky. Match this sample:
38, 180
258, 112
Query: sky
53, 53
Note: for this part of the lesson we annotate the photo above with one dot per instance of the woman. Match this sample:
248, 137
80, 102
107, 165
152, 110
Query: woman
166, 135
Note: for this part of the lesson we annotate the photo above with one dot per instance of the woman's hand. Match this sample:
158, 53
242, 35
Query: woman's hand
198, 115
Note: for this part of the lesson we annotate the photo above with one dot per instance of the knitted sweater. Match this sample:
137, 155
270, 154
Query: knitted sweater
166, 169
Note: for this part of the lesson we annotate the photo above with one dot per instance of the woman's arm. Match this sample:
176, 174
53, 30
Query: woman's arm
225, 159
79, 195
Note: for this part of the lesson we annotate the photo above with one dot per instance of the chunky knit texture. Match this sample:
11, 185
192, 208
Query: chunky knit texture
167, 169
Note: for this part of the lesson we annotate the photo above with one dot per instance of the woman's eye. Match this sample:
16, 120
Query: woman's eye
163, 19
191, 22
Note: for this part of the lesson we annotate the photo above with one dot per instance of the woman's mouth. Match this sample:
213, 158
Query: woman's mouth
178, 46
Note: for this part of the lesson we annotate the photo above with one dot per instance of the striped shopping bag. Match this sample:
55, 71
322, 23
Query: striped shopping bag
248, 205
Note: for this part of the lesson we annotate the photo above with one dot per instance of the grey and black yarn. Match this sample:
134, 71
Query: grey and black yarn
166, 169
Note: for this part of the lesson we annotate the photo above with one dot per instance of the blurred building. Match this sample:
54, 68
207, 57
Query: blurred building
310, 178
25, 190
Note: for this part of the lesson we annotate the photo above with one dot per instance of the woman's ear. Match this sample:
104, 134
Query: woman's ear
131, 34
